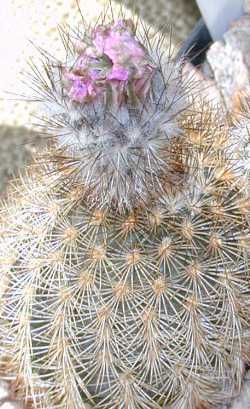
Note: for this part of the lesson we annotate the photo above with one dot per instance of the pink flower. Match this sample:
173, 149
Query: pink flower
95, 74
82, 62
118, 73
99, 37
81, 89
115, 60
118, 43
141, 84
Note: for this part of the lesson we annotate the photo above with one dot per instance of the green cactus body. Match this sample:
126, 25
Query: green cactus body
124, 250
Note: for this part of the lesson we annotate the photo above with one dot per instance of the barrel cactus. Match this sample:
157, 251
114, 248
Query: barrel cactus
124, 247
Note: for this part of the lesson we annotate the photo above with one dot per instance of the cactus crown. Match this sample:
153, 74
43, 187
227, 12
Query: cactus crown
116, 112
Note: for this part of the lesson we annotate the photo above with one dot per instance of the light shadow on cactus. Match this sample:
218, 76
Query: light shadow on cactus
17, 146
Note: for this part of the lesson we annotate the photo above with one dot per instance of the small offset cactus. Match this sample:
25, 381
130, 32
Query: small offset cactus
125, 246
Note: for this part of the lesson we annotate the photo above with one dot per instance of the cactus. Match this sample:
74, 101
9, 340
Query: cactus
124, 247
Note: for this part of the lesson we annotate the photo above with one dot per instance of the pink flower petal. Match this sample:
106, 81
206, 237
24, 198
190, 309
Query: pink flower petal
118, 73
78, 91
